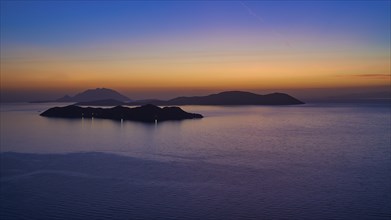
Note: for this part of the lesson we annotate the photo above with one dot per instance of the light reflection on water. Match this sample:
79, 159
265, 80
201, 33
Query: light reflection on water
232, 133
310, 161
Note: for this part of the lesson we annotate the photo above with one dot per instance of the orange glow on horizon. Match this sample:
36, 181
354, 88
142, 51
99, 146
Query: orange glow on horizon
218, 65
196, 74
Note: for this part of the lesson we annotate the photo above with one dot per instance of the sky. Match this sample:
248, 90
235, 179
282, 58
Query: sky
164, 49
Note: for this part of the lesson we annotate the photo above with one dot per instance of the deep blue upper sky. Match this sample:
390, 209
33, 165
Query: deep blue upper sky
69, 23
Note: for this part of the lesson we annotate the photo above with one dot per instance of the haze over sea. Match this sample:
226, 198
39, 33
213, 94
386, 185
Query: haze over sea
312, 161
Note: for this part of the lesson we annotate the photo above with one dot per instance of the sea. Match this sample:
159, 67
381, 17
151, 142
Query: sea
311, 161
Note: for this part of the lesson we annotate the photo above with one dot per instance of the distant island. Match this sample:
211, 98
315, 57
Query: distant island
228, 98
109, 97
145, 113
91, 95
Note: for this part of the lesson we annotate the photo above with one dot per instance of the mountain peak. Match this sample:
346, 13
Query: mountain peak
95, 94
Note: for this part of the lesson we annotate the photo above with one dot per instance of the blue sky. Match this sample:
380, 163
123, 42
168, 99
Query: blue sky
69, 23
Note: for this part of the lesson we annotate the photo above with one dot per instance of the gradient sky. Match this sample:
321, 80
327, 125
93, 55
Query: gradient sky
164, 49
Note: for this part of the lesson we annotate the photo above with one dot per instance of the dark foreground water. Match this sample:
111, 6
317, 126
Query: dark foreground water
301, 162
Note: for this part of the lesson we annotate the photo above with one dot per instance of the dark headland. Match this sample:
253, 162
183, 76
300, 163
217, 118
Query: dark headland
145, 113
228, 98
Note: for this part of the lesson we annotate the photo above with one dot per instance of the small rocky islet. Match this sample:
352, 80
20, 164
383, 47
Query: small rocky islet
145, 113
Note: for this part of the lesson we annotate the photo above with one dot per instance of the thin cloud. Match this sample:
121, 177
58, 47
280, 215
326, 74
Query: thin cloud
261, 20
380, 75
252, 13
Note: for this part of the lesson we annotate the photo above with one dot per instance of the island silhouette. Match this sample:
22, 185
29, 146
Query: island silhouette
90, 95
145, 113
109, 97
228, 98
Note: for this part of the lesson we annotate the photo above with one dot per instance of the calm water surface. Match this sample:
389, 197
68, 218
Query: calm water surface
295, 162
